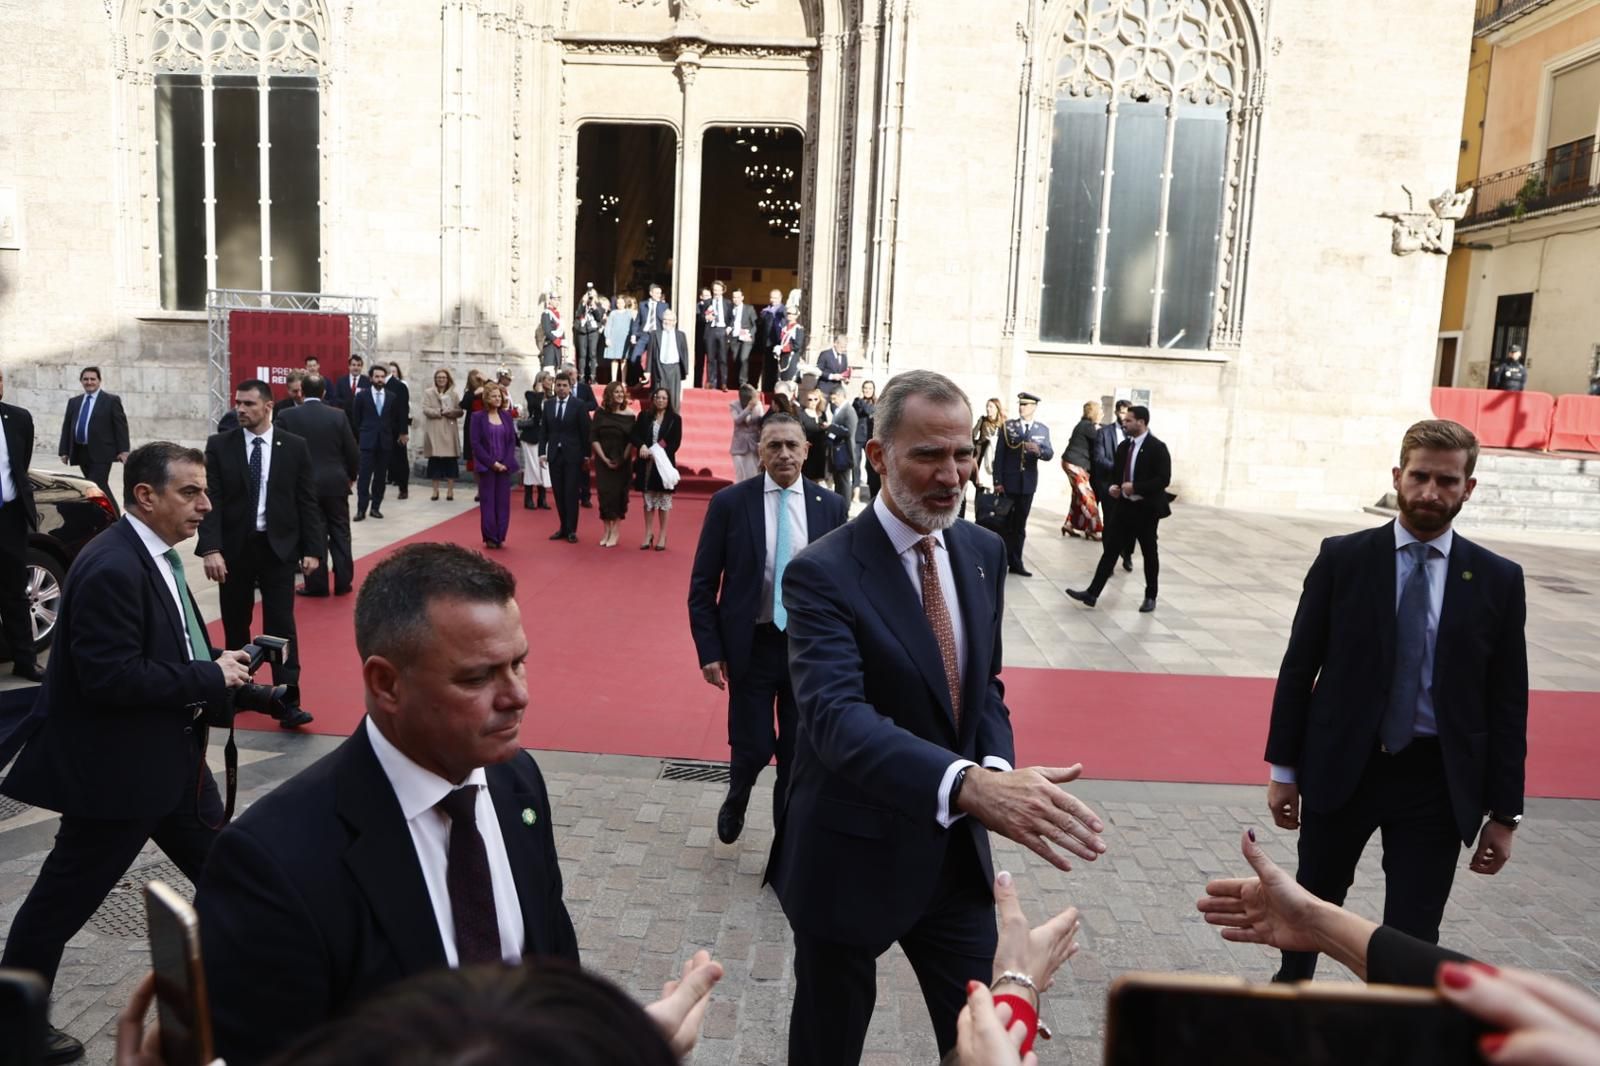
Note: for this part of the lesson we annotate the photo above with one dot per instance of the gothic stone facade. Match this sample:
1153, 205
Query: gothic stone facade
446, 146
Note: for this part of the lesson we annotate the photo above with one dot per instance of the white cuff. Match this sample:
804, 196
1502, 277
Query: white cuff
941, 812
994, 762
1283, 775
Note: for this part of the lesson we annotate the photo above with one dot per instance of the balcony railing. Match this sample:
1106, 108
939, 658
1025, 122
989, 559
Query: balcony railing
1567, 177
1493, 13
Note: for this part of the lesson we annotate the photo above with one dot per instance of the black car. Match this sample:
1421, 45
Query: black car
72, 510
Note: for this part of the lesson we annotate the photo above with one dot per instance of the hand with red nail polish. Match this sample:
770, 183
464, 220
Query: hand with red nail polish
1542, 1021
986, 1035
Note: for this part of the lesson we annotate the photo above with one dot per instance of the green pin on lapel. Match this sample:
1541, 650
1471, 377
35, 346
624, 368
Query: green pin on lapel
528, 817
1466, 575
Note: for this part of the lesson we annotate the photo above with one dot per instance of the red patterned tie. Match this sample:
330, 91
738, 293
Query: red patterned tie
939, 618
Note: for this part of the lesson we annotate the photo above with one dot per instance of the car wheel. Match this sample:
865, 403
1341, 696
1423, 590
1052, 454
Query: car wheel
45, 575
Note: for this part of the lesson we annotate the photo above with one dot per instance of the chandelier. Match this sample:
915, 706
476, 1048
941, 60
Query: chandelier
610, 207
768, 176
782, 215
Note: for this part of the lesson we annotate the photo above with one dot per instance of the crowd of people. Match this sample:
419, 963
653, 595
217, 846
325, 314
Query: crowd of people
406, 890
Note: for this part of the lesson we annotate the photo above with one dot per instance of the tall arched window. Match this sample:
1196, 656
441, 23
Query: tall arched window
1144, 163
237, 128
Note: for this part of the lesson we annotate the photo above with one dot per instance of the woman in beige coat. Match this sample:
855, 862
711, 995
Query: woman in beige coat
441, 442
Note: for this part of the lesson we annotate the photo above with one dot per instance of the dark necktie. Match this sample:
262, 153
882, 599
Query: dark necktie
1124, 458
939, 618
1410, 642
255, 475
467, 879
82, 435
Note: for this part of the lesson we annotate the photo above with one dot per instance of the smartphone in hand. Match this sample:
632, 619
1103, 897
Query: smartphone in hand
182, 1007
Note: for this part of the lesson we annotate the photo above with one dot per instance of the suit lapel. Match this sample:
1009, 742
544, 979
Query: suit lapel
1460, 606
755, 513
816, 517
884, 578
158, 584
383, 860
977, 620
522, 853
1383, 551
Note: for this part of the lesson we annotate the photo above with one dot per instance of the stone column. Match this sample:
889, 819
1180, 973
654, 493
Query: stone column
822, 183
686, 218
853, 317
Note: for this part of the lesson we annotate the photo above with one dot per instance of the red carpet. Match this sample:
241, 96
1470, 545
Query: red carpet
642, 694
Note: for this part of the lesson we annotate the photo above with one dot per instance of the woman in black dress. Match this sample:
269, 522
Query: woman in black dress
813, 416
611, 439
661, 428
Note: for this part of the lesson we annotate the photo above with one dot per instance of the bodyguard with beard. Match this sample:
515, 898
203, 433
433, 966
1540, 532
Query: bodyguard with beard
1402, 702
903, 762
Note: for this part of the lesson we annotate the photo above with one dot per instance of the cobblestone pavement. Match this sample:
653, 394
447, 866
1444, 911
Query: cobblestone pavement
648, 883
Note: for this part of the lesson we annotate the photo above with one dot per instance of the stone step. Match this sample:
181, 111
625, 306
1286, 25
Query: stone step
1545, 519
1533, 463
1526, 496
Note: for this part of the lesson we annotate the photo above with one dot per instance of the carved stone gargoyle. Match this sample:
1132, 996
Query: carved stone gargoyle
1433, 230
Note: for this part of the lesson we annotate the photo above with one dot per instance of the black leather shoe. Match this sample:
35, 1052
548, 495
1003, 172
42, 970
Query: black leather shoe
404, 495
59, 1047
1127, 563
376, 513
585, 503
1148, 605
730, 818
308, 592
297, 717
343, 592
572, 538
1021, 571
30, 672
558, 535
1083, 597
359, 516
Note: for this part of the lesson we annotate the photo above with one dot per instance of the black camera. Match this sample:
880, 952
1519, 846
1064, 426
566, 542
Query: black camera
275, 700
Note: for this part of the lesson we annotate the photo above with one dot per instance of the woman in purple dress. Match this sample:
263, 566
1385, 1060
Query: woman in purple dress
494, 447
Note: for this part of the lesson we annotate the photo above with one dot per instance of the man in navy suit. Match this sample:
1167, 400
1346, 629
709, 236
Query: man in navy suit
1022, 446
833, 364
1402, 701
716, 316
379, 420
894, 651
120, 748
563, 447
1104, 468
646, 322
342, 391
94, 431
751, 532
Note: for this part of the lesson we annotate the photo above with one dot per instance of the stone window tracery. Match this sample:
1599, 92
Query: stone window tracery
237, 115
1151, 154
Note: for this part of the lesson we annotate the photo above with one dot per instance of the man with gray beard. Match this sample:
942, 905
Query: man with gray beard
903, 761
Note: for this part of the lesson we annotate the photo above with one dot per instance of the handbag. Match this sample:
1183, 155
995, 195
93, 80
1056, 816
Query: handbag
994, 511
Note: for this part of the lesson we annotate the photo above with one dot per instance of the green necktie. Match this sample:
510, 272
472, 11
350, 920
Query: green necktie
197, 634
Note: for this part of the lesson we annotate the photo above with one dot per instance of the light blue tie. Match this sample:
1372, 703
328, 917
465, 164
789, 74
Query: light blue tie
1410, 645
83, 418
780, 560
378, 396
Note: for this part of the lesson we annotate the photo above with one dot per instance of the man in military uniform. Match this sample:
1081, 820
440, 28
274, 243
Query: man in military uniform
1024, 444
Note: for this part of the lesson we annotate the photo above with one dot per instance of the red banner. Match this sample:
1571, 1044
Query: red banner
268, 344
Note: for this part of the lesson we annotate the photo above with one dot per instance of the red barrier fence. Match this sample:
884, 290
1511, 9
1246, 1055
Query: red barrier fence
1576, 426
1532, 421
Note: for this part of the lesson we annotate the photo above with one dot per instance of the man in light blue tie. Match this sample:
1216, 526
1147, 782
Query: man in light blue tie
736, 615
94, 430
378, 421
1402, 702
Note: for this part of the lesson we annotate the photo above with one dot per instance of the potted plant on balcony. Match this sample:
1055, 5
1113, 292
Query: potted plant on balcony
1532, 191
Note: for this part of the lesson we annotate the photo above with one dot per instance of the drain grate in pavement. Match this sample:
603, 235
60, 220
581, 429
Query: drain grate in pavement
711, 772
1557, 584
122, 914
10, 808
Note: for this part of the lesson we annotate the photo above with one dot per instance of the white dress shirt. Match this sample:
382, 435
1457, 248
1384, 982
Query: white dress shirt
904, 541
418, 791
158, 549
266, 467
1438, 570
669, 347
798, 535
7, 485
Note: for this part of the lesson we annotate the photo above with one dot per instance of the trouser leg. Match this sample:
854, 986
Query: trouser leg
275, 578
955, 940
16, 614
1330, 845
835, 988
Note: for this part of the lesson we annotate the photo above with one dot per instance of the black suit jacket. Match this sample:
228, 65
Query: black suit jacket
17, 424
1152, 473
335, 460
314, 899
725, 582
294, 521
108, 429
565, 440
375, 432
118, 738
1105, 453
340, 394
858, 852
1334, 682
653, 356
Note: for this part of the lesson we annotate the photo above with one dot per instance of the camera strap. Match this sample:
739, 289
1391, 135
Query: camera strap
230, 771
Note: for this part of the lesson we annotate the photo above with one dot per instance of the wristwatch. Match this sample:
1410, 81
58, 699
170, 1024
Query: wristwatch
955, 788
1510, 821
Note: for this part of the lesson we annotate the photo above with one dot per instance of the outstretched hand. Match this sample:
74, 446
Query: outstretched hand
682, 1006
1269, 908
1030, 807
1037, 952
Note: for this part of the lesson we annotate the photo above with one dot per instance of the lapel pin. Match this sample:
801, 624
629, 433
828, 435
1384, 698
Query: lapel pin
528, 817
1466, 575
982, 575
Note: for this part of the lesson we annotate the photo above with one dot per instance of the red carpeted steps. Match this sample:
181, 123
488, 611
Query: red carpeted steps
707, 430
